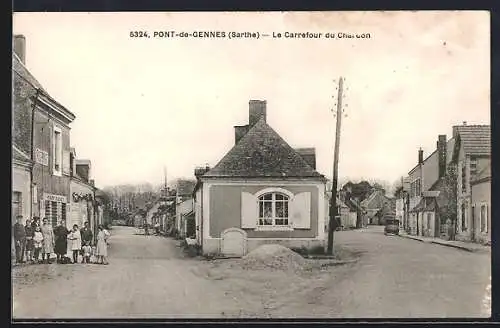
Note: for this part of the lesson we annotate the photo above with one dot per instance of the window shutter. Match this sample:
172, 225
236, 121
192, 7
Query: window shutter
65, 163
486, 214
301, 210
249, 215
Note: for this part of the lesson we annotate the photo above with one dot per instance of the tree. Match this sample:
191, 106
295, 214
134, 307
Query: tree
450, 192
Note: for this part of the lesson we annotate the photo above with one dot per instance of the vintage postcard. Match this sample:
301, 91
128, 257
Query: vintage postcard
173, 165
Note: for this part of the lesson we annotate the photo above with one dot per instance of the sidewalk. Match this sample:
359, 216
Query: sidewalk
470, 247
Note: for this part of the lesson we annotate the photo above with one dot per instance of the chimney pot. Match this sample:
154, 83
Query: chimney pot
19, 47
464, 122
420, 156
442, 155
257, 110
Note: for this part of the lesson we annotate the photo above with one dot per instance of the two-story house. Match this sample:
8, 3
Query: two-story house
425, 184
40, 131
82, 202
261, 191
471, 154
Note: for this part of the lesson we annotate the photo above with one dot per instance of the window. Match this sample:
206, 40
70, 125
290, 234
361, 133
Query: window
17, 205
483, 216
273, 210
473, 165
418, 189
57, 151
429, 219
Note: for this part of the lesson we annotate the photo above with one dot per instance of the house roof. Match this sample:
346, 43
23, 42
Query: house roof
18, 66
375, 200
450, 145
263, 153
475, 139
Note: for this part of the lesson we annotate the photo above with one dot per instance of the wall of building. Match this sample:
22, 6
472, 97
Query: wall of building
481, 195
225, 210
43, 176
81, 211
21, 184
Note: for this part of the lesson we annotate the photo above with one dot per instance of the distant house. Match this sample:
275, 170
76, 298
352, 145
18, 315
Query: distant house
184, 206
372, 205
261, 191
471, 154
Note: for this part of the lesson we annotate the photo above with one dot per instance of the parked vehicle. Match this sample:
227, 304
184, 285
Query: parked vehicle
391, 227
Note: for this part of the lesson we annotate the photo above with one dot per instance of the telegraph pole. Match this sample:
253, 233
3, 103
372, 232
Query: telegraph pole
165, 180
333, 200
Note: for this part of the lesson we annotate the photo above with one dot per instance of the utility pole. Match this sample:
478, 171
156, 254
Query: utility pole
165, 178
333, 201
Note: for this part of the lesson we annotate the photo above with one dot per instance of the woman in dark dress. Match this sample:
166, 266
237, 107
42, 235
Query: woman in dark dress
61, 242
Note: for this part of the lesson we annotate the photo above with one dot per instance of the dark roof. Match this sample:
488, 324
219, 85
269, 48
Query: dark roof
262, 153
185, 187
19, 67
475, 139
20, 155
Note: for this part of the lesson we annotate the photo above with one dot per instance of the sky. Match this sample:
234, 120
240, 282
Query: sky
142, 104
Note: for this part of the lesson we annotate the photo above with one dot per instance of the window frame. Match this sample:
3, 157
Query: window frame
287, 198
57, 151
485, 206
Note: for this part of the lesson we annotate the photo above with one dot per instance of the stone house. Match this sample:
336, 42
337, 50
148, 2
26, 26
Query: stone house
472, 155
184, 205
261, 191
372, 205
40, 130
481, 206
423, 187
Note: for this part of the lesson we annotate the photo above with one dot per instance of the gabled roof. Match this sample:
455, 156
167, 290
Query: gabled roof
263, 153
375, 200
18, 66
475, 139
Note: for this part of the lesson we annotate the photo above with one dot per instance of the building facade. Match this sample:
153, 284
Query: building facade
472, 154
262, 191
41, 130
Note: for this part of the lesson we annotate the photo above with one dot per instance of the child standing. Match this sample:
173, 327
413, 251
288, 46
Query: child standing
37, 243
75, 239
86, 250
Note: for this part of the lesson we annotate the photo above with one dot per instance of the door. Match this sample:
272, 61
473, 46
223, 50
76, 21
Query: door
233, 242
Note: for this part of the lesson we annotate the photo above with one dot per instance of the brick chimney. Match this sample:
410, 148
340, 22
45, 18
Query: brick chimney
309, 155
420, 156
19, 47
441, 148
239, 132
257, 109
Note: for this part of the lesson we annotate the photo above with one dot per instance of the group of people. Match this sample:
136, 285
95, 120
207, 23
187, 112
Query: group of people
33, 239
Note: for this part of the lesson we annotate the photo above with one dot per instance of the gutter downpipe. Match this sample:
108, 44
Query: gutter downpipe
32, 143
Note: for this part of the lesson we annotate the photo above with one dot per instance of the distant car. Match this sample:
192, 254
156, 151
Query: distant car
391, 227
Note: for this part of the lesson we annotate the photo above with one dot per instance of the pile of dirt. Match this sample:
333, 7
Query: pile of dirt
275, 257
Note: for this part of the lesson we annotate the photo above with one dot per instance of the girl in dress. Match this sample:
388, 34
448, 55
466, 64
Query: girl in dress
102, 246
37, 243
48, 240
75, 239
30, 232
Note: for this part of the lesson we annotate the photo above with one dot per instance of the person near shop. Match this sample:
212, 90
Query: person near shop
61, 240
87, 236
102, 245
75, 239
19, 239
48, 240
30, 233
37, 243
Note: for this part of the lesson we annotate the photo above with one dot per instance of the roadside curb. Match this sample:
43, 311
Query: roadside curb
464, 248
